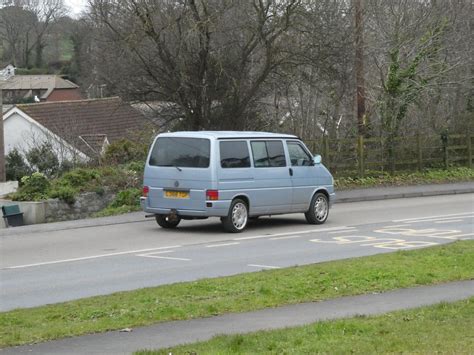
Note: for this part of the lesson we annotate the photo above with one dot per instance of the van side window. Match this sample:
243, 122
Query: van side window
268, 154
181, 152
234, 154
298, 155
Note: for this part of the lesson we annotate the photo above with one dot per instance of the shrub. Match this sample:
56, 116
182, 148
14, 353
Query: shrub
65, 193
16, 166
136, 166
44, 159
33, 188
80, 178
118, 179
125, 201
124, 151
65, 166
129, 197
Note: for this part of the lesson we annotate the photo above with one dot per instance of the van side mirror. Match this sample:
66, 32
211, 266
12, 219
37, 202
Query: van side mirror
317, 159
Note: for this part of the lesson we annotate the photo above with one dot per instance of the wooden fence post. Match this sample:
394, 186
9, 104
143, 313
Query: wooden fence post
360, 151
326, 149
469, 149
444, 139
420, 153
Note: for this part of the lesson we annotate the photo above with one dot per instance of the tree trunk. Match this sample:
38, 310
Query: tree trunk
391, 153
39, 54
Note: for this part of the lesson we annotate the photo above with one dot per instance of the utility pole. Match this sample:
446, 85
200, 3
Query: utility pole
4, 76
2, 141
359, 68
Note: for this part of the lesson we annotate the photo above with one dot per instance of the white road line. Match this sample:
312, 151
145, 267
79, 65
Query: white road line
89, 257
221, 245
462, 235
158, 252
165, 257
287, 237
449, 221
344, 231
264, 266
458, 215
442, 219
396, 226
292, 233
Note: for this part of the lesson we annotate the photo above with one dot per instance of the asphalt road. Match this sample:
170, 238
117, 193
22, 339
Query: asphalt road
56, 266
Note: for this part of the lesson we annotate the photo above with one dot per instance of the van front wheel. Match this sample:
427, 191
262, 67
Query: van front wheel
165, 221
318, 209
238, 216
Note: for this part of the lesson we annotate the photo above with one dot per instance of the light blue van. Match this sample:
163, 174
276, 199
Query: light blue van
235, 176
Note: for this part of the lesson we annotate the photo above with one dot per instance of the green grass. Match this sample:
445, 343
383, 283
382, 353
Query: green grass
240, 293
67, 49
443, 328
435, 176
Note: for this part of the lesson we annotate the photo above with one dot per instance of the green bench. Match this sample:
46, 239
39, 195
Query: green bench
12, 216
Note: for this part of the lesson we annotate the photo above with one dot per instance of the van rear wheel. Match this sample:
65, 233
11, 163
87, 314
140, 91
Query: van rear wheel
318, 209
238, 216
165, 221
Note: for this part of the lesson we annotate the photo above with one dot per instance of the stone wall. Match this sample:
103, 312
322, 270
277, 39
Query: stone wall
55, 210
86, 204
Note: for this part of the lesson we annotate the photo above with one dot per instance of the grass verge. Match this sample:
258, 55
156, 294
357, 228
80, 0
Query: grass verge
240, 293
443, 328
432, 176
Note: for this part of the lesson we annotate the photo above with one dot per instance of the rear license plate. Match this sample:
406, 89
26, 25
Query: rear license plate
176, 194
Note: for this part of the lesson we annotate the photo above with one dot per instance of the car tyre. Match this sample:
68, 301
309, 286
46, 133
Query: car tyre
165, 221
318, 209
237, 218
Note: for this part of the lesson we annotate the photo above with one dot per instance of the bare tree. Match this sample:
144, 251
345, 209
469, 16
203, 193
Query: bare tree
16, 30
24, 26
408, 40
288, 65
211, 58
312, 90
47, 11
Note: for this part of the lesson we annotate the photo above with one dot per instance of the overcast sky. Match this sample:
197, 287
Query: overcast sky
76, 6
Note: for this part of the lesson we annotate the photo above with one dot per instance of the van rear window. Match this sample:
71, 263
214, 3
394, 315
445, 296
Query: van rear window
181, 152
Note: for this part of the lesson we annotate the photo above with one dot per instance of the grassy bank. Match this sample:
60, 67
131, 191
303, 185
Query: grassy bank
443, 328
378, 179
239, 293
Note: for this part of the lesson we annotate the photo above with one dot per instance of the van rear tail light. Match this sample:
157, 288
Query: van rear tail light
212, 195
146, 190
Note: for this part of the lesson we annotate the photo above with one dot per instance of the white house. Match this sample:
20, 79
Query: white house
7, 72
77, 130
22, 132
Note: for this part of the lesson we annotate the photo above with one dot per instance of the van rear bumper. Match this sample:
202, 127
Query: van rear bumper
218, 209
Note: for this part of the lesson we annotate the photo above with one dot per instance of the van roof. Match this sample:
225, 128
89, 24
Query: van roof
226, 134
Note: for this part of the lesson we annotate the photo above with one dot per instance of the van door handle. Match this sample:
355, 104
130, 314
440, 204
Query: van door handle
291, 172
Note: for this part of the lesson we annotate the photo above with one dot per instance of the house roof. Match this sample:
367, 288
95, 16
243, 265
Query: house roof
27, 82
87, 124
38, 82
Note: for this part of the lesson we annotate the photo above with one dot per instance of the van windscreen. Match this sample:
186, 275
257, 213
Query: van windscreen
181, 152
